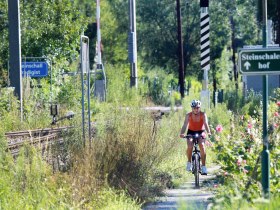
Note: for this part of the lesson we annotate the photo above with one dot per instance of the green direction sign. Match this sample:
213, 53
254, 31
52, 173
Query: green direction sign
259, 61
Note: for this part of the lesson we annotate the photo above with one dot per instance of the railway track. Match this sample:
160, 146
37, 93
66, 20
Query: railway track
40, 138
44, 138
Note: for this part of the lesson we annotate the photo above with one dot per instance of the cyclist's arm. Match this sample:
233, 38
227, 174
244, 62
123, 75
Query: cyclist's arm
206, 124
185, 126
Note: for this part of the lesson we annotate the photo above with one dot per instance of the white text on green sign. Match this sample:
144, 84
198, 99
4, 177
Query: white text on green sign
259, 61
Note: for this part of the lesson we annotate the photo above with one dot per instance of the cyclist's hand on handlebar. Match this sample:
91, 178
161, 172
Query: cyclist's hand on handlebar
182, 135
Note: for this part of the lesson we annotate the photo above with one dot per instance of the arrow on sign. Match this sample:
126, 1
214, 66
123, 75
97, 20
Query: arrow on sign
247, 65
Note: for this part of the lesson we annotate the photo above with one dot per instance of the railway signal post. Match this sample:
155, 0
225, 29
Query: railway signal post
205, 51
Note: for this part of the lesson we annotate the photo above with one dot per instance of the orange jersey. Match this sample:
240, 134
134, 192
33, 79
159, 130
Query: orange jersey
196, 123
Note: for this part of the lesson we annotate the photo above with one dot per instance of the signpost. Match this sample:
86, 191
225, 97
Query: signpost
34, 69
259, 61
262, 61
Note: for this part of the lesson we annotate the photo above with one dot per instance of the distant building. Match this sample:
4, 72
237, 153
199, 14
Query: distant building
256, 83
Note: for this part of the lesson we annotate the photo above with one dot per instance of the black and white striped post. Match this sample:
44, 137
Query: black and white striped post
205, 50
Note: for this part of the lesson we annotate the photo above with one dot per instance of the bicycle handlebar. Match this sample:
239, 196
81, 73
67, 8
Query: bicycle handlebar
194, 136
197, 136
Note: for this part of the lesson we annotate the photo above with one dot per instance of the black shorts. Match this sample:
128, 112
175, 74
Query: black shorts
194, 132
190, 141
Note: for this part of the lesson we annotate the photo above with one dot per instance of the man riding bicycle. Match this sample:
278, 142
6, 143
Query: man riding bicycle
196, 122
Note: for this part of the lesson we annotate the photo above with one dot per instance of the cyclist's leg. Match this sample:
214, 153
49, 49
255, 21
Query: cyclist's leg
190, 145
202, 151
189, 149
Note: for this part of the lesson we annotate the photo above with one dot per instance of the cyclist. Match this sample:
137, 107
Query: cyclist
196, 122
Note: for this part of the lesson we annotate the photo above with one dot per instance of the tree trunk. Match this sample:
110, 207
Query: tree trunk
180, 50
233, 46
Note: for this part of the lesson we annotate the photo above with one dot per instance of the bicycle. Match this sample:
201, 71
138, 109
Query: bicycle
196, 166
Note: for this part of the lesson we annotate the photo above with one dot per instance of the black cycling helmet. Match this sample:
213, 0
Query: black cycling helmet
195, 103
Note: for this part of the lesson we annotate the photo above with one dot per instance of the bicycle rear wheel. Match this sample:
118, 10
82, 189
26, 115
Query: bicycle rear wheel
196, 169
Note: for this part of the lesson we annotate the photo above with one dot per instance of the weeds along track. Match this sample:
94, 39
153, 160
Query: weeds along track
40, 138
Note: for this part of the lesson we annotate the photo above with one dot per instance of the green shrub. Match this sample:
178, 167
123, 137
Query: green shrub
238, 149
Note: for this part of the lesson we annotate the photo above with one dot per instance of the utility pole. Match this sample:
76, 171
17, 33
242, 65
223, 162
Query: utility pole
99, 84
15, 75
99, 61
180, 50
132, 44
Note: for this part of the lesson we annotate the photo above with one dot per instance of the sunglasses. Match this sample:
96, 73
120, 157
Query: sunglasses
196, 107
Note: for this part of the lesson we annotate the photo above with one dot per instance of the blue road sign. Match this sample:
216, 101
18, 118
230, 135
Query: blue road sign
34, 69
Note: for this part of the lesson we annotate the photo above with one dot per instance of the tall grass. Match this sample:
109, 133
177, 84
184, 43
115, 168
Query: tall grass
132, 158
27, 183
126, 151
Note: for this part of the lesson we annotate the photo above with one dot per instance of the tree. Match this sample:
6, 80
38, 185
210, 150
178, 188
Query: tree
274, 15
50, 28
157, 35
238, 16
4, 42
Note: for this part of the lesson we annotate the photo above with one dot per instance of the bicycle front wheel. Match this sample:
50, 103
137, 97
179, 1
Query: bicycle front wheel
196, 169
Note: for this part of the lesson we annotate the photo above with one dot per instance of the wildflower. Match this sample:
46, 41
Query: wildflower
239, 162
275, 125
250, 125
244, 161
245, 171
215, 185
225, 173
248, 131
219, 128
276, 114
278, 103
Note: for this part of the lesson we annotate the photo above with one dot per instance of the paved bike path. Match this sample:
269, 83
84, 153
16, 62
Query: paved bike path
187, 196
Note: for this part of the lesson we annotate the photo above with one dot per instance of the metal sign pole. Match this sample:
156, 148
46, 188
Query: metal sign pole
265, 152
88, 92
83, 70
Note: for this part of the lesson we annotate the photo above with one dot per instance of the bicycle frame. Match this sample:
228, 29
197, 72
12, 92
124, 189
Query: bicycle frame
195, 157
